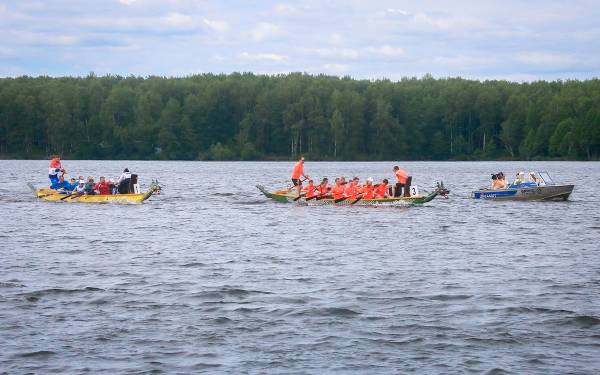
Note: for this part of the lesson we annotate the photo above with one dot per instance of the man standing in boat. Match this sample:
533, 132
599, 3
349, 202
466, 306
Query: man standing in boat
403, 181
298, 172
55, 170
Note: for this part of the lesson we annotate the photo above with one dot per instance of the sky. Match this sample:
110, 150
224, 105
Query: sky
512, 40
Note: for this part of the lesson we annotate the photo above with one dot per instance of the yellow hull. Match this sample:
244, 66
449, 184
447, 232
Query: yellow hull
51, 195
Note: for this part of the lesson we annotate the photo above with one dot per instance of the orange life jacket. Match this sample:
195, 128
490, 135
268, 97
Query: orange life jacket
401, 176
381, 191
368, 191
310, 191
337, 191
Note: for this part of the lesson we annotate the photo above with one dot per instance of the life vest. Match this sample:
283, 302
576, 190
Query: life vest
351, 191
310, 191
381, 190
368, 191
322, 190
401, 176
338, 192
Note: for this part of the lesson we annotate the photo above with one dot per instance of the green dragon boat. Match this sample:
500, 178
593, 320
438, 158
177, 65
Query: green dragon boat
291, 196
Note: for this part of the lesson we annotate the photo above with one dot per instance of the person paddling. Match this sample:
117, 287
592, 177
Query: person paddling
338, 191
403, 182
381, 191
323, 188
310, 189
353, 189
298, 172
368, 190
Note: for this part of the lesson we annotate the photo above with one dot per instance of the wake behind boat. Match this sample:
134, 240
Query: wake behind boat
543, 189
290, 196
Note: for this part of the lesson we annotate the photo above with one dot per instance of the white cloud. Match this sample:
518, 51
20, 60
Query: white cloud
179, 20
264, 30
215, 25
387, 51
336, 53
272, 57
397, 11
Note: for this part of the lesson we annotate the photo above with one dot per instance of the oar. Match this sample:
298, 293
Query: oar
357, 199
340, 199
299, 196
68, 196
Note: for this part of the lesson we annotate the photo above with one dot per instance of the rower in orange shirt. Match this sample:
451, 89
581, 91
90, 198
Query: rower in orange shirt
403, 181
323, 189
368, 190
338, 190
298, 172
381, 191
353, 189
310, 189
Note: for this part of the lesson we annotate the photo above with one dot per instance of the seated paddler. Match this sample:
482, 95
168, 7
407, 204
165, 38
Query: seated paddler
61, 185
309, 189
323, 188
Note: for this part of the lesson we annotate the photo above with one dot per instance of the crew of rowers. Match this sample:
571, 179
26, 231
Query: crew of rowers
79, 186
499, 181
351, 190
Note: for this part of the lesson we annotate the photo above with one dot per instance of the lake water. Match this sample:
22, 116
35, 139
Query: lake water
212, 277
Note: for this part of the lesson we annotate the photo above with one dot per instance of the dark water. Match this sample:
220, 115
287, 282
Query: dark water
212, 277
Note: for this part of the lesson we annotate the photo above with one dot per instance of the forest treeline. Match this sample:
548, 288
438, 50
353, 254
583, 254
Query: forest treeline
256, 117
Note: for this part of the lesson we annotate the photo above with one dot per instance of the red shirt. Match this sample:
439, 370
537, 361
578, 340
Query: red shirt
102, 188
401, 176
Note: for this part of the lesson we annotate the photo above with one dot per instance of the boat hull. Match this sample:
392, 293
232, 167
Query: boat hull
51, 195
289, 196
536, 193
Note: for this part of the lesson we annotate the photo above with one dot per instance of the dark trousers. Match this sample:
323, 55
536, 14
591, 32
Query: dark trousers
406, 187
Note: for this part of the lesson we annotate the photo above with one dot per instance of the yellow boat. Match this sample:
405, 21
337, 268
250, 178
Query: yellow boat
52, 195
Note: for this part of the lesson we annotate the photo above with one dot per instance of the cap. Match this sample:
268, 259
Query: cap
370, 179
81, 182
532, 173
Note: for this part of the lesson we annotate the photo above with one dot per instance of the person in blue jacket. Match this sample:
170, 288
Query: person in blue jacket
61, 185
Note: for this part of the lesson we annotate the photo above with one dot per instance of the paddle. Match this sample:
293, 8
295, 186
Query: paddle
68, 196
357, 199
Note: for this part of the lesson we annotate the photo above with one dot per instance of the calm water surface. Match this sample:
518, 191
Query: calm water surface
212, 277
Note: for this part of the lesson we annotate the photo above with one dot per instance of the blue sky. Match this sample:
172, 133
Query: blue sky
514, 40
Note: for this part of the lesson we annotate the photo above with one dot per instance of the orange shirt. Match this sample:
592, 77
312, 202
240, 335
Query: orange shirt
310, 191
381, 191
322, 190
337, 191
352, 190
368, 191
298, 170
401, 176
